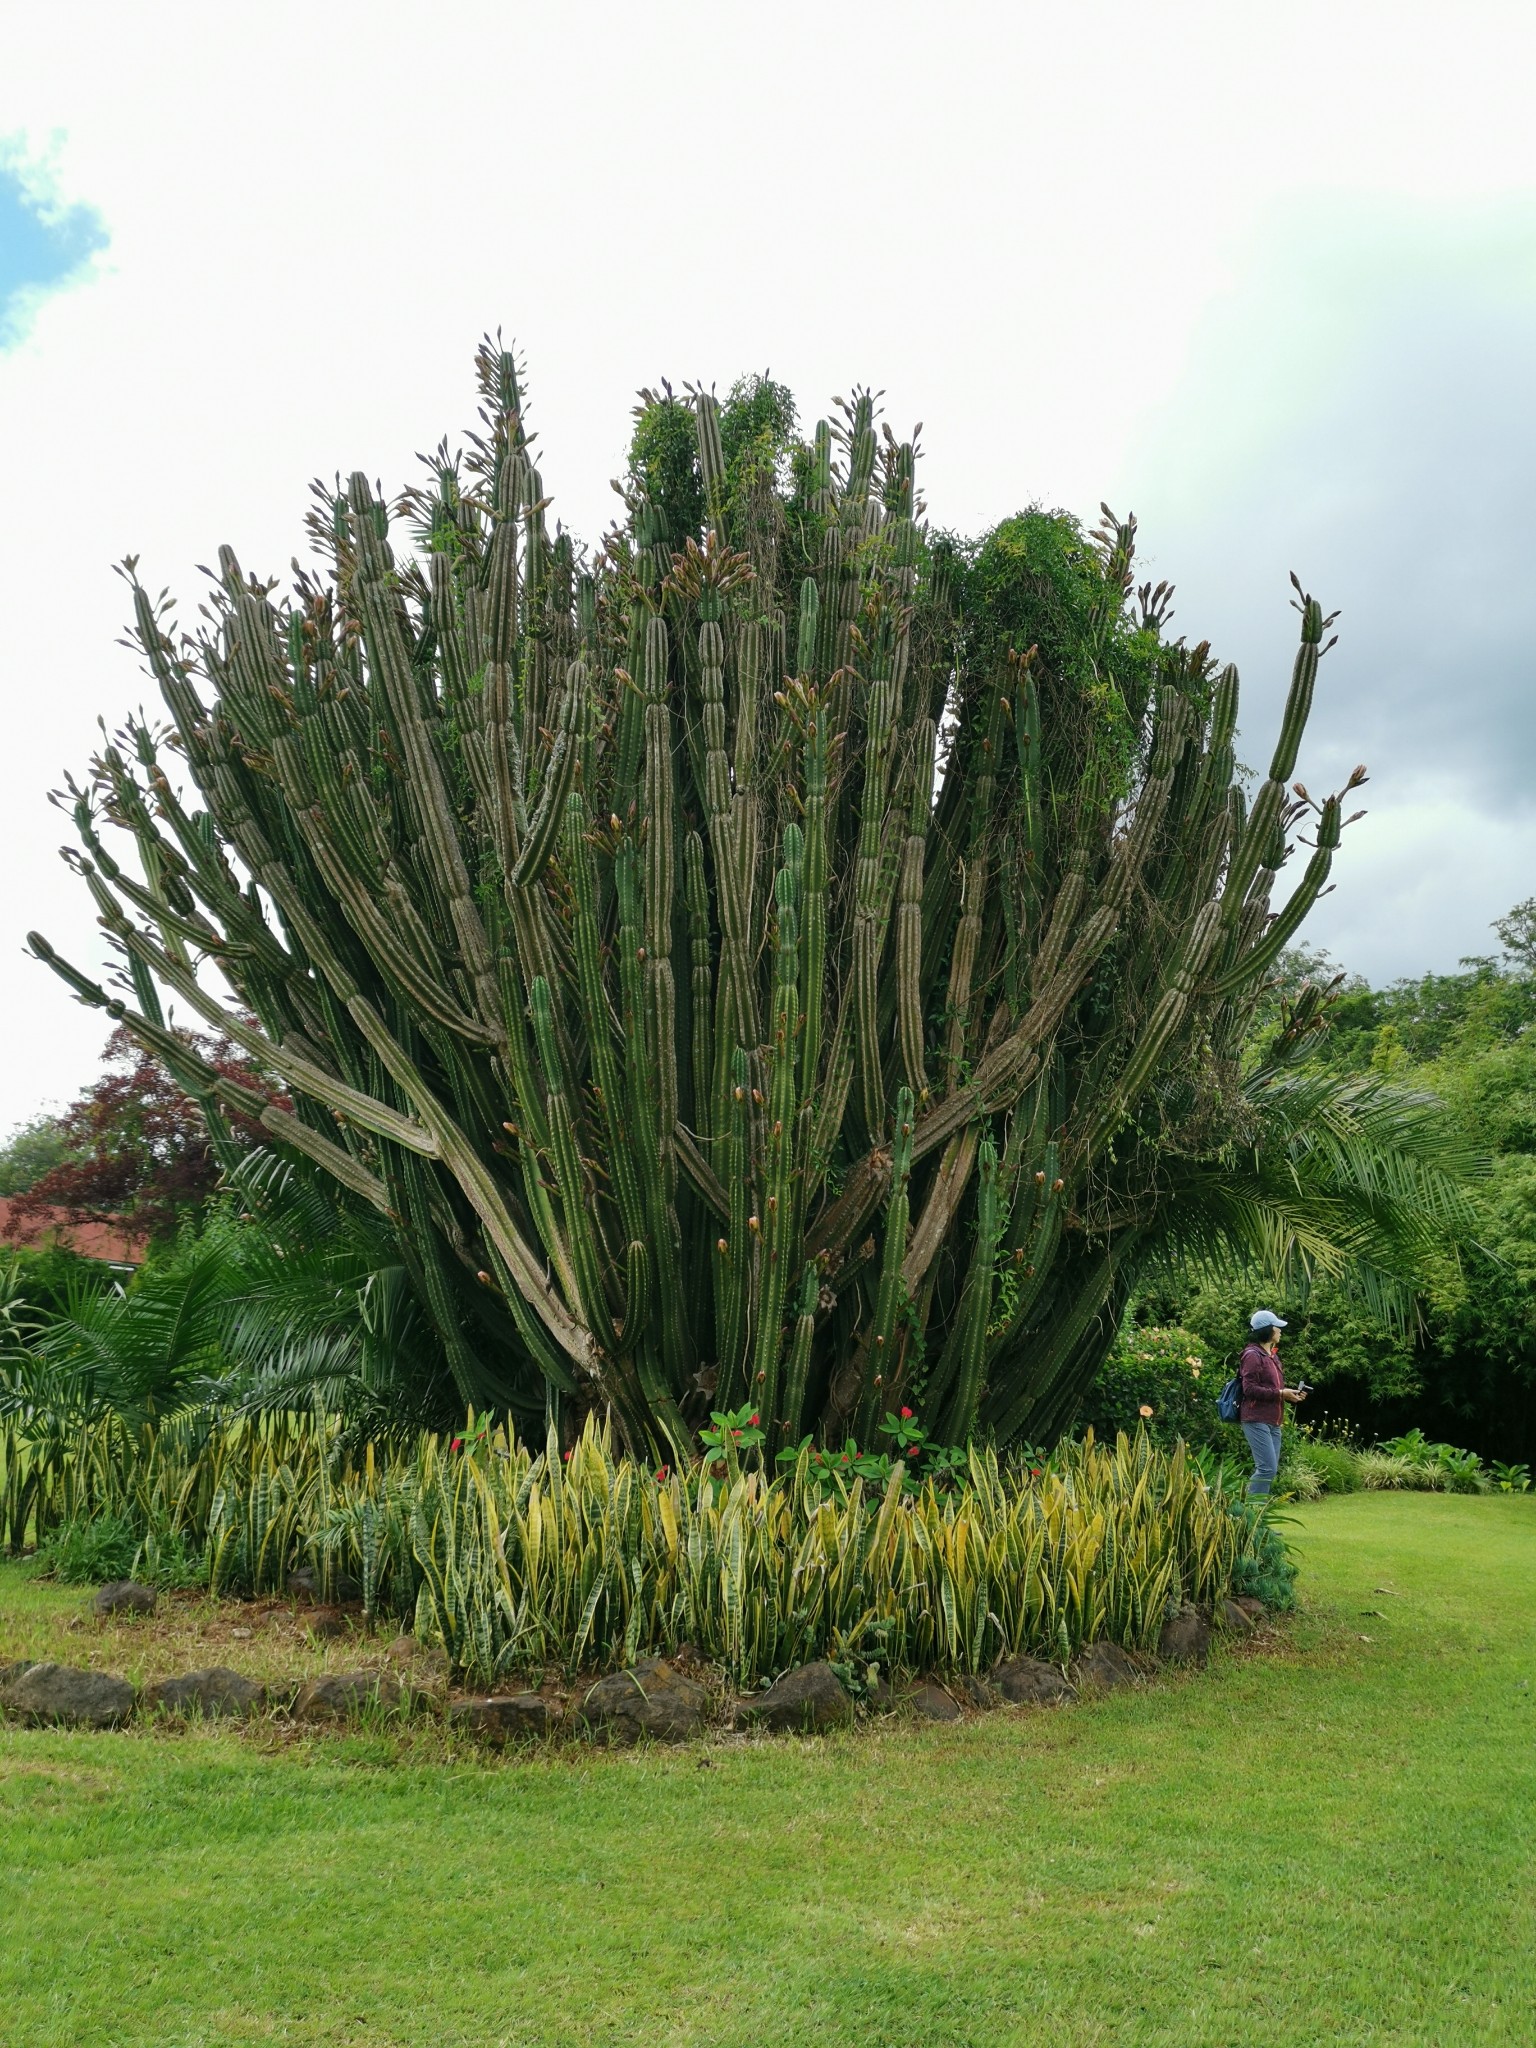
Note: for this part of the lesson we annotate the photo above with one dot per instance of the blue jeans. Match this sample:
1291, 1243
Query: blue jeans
1264, 1442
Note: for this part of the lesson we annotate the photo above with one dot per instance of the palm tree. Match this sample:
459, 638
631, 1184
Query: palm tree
1350, 1179
282, 1300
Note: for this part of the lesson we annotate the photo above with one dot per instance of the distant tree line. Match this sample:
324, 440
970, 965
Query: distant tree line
1464, 1367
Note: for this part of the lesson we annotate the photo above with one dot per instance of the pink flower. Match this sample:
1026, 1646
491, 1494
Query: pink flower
906, 1414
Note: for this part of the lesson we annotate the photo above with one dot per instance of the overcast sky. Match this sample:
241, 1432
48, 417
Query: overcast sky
1265, 277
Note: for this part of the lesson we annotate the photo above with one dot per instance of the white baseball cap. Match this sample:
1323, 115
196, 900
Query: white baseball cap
1266, 1319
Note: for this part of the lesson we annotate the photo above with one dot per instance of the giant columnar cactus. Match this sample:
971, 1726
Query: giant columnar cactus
768, 962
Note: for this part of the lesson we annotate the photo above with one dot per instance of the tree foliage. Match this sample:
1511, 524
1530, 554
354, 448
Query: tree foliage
134, 1148
1461, 1362
33, 1149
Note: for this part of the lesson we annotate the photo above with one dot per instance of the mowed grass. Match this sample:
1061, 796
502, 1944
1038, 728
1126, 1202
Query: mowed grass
267, 1639
1326, 1838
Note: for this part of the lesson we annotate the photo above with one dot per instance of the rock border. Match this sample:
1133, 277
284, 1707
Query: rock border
656, 1699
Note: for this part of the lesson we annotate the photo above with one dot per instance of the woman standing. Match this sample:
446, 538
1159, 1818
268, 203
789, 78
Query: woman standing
1263, 1394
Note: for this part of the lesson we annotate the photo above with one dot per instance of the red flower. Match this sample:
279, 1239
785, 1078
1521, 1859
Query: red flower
661, 1475
906, 1414
457, 1444
911, 1450
754, 1422
1036, 1472
567, 1457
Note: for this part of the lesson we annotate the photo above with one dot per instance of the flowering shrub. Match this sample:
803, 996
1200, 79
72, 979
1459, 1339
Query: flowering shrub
1164, 1380
920, 1459
731, 1432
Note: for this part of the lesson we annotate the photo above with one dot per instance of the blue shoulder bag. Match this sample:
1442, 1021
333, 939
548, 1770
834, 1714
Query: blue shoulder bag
1229, 1401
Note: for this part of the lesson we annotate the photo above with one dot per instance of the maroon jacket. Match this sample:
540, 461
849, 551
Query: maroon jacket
1261, 1380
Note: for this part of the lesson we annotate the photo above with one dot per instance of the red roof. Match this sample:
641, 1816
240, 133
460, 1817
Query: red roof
114, 1242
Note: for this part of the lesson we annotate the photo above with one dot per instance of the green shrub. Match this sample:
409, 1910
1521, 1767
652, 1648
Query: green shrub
1265, 1570
1337, 1468
1463, 1470
89, 1553
1382, 1470
166, 1559
1299, 1479
1457, 1471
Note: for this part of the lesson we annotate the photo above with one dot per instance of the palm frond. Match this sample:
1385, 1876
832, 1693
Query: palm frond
1346, 1178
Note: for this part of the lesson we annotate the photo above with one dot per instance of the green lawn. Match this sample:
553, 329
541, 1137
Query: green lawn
1329, 1840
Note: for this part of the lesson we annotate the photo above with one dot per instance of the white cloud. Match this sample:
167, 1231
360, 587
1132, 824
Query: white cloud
1359, 407
1011, 217
1420, 880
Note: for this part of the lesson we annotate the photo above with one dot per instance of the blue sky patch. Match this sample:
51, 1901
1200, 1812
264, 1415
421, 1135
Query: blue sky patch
41, 245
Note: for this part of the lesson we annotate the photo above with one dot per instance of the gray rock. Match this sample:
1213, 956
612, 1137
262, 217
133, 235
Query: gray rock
10, 1671
216, 1690
1185, 1638
1027, 1681
309, 1584
1253, 1608
506, 1717
124, 1596
931, 1702
648, 1699
79, 1699
342, 1695
975, 1692
327, 1626
428, 1665
802, 1701
1236, 1619
1102, 1667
